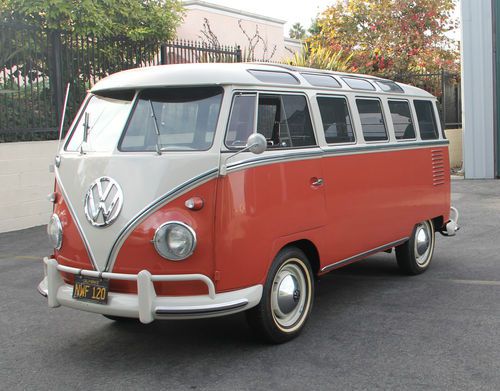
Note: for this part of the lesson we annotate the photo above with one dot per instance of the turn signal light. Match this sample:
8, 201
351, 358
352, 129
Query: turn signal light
194, 203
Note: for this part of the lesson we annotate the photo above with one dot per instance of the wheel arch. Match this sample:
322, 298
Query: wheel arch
310, 250
438, 223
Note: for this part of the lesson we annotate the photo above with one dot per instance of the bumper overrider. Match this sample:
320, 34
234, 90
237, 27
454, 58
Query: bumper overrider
146, 305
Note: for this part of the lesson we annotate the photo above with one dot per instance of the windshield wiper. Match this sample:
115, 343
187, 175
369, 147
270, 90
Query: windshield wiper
86, 128
157, 130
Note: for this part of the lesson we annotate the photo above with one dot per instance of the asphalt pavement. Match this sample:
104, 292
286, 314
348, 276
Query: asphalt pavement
372, 328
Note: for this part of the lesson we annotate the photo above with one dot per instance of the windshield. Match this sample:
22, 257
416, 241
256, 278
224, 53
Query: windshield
173, 119
106, 117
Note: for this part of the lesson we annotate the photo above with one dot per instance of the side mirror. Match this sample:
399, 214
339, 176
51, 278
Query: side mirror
256, 143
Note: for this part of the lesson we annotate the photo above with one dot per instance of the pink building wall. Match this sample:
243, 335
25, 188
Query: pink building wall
224, 24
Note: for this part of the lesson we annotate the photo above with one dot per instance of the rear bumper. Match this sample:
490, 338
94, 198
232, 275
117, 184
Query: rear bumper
146, 305
451, 227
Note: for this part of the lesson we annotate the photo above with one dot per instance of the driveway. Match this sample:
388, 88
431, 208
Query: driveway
371, 328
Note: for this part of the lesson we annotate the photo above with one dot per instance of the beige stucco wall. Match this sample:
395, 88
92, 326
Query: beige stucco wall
25, 183
225, 27
456, 143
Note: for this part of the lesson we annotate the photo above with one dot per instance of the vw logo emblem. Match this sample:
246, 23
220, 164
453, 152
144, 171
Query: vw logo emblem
103, 202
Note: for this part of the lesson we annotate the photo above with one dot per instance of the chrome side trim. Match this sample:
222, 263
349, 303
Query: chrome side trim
152, 207
362, 255
385, 147
274, 159
75, 220
334, 151
200, 310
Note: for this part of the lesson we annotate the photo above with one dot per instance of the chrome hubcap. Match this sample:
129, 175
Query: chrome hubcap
423, 243
422, 239
289, 295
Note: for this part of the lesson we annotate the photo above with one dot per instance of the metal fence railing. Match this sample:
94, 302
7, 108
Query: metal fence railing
36, 65
446, 87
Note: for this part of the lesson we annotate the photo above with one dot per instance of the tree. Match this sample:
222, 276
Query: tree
89, 39
390, 36
297, 31
321, 58
133, 19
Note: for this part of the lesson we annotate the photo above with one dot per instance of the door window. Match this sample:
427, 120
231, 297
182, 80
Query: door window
241, 123
283, 119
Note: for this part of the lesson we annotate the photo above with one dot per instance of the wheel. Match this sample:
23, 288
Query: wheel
287, 298
415, 255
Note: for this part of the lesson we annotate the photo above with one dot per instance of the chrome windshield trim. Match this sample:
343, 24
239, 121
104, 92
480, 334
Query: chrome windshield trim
151, 208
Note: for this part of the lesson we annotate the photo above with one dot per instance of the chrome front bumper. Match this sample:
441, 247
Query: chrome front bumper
146, 305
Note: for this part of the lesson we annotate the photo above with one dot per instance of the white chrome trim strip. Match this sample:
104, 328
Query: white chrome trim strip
362, 255
152, 207
333, 151
75, 219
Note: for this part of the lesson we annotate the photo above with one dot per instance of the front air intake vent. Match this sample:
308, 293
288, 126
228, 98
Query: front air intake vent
438, 174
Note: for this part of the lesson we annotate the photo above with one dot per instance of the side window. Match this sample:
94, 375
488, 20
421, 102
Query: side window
401, 119
241, 122
336, 121
285, 121
426, 119
372, 119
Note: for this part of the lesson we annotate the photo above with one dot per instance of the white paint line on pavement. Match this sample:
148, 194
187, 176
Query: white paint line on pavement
477, 282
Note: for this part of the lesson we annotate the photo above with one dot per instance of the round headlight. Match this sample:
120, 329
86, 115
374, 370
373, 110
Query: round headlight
54, 230
174, 240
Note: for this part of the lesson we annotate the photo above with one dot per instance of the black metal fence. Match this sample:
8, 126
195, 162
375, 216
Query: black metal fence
446, 87
36, 65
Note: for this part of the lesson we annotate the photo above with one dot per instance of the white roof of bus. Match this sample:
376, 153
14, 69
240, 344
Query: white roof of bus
224, 74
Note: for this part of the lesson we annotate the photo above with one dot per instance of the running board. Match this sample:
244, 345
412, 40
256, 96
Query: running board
363, 255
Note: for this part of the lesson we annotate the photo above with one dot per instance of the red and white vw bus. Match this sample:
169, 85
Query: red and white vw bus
190, 191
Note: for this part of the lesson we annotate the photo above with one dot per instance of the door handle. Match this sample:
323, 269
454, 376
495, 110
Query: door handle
317, 182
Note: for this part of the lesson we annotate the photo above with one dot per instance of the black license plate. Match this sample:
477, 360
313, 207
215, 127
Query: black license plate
93, 289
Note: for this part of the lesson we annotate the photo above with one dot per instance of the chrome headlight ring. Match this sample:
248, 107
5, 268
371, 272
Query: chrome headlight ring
175, 240
54, 230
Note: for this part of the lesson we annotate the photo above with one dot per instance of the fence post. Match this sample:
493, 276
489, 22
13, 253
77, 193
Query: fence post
238, 53
56, 73
443, 98
163, 54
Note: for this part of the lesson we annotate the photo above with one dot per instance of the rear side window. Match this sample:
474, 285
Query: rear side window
336, 120
283, 119
401, 119
426, 119
372, 119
